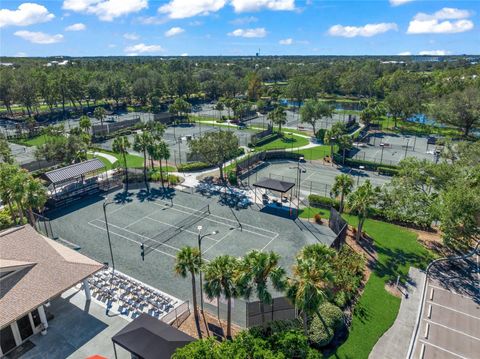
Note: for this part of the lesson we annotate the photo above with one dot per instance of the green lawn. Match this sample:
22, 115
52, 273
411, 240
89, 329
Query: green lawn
34, 141
397, 249
412, 128
133, 161
318, 152
288, 141
106, 162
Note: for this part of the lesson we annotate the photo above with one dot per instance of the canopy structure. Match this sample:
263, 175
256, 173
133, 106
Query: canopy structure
74, 171
274, 185
149, 338
271, 203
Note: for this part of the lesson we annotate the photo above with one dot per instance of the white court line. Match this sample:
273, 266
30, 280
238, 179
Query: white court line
68, 242
451, 329
226, 219
141, 235
227, 225
453, 310
131, 240
443, 349
221, 239
450, 291
271, 240
183, 230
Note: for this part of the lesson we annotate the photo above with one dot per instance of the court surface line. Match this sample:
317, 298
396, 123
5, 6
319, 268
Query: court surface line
217, 216
131, 240
271, 240
453, 310
221, 239
451, 291
183, 230
224, 224
141, 235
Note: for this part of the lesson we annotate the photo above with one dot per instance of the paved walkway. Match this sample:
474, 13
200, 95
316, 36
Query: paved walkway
110, 158
394, 343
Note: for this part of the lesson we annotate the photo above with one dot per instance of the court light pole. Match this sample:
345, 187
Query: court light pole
200, 237
358, 177
332, 139
382, 145
299, 174
105, 204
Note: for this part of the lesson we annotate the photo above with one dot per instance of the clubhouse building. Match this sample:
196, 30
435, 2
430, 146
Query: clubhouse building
33, 271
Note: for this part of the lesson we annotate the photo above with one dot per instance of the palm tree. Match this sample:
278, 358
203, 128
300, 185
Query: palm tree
99, 113
85, 124
344, 143
360, 203
310, 283
35, 196
220, 279
278, 117
160, 151
342, 187
219, 106
257, 269
141, 143
188, 261
121, 145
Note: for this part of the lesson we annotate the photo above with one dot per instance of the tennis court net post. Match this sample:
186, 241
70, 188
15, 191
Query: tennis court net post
152, 244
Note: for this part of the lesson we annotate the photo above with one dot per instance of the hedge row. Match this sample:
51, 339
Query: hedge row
265, 140
387, 171
192, 166
322, 202
371, 166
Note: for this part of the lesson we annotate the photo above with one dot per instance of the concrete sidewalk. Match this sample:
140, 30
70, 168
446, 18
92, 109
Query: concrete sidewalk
394, 343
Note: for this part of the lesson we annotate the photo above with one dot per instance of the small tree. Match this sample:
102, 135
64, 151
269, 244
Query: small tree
278, 117
342, 187
215, 148
85, 124
5, 151
361, 202
99, 113
188, 262
121, 145
345, 143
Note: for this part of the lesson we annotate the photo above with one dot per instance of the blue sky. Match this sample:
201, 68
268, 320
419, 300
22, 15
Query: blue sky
238, 27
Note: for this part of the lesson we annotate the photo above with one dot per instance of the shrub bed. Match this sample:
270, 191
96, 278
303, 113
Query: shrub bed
322, 329
387, 171
193, 166
322, 202
265, 140
371, 166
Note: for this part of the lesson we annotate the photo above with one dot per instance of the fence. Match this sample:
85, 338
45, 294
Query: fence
43, 225
339, 226
39, 165
312, 187
107, 128
178, 315
280, 309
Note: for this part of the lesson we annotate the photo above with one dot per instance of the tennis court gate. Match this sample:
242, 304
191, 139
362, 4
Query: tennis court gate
339, 226
43, 225
280, 309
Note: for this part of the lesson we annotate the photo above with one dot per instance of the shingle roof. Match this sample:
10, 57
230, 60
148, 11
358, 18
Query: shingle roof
274, 185
50, 269
74, 171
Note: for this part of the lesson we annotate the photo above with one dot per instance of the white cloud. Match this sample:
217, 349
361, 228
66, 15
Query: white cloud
399, 2
76, 27
435, 52
365, 31
258, 32
288, 41
174, 31
405, 53
21, 54
39, 37
106, 10
257, 5
244, 20
444, 21
184, 54
26, 14
181, 9
142, 49
111, 46
152, 20
130, 36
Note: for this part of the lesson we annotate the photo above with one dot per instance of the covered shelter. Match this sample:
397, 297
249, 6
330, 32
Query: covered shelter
33, 271
149, 338
283, 188
77, 180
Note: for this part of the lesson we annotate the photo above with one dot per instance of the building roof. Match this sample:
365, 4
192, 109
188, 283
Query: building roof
274, 185
150, 338
42, 269
74, 171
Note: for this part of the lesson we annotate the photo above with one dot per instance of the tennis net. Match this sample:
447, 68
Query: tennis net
153, 243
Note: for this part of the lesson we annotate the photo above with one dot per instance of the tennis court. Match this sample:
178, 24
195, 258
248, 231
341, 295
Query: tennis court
391, 148
165, 225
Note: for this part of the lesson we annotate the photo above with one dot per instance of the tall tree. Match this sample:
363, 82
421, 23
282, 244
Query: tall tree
215, 148
361, 202
99, 113
278, 117
258, 269
188, 262
121, 145
141, 143
35, 197
220, 280
342, 187
460, 109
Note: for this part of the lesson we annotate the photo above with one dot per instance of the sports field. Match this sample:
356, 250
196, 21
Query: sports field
167, 223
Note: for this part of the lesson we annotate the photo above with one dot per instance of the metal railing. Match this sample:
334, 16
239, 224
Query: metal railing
178, 315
